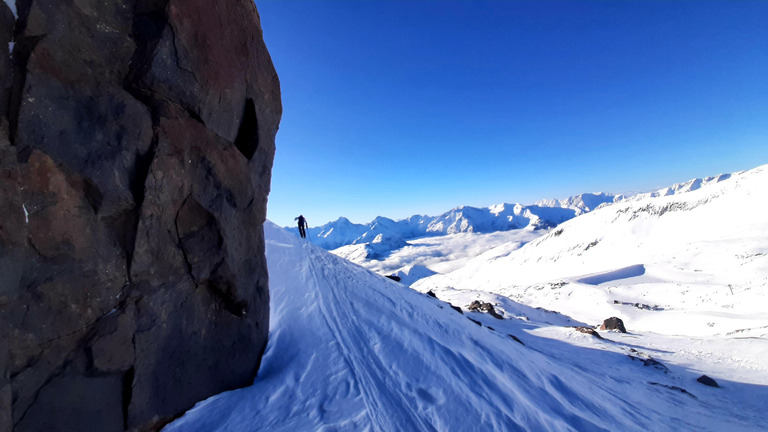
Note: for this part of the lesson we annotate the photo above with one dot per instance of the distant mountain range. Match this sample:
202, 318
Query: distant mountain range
390, 234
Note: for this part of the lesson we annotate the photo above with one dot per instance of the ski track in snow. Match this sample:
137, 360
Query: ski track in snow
352, 351
336, 308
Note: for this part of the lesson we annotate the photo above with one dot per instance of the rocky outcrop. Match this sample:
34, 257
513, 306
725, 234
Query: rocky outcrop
588, 330
136, 147
647, 360
613, 323
707, 381
675, 388
478, 306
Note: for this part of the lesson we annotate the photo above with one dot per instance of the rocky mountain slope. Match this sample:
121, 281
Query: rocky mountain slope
136, 146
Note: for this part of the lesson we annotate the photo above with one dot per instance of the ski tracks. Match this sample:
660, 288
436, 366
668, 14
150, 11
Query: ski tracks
388, 408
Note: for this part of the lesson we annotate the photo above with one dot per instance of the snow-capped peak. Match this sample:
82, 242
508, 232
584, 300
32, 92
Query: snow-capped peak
499, 217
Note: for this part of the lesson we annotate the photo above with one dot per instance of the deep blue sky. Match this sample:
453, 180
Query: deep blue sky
395, 108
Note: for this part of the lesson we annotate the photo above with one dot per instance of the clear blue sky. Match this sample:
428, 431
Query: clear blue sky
395, 108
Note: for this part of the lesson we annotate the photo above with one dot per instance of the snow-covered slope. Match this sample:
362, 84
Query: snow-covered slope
502, 217
697, 260
336, 233
350, 351
677, 188
582, 203
585, 203
411, 273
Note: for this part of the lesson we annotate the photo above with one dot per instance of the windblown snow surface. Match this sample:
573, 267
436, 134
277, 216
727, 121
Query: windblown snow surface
350, 350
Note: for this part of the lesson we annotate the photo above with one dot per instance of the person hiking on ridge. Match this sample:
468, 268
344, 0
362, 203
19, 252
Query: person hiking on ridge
302, 224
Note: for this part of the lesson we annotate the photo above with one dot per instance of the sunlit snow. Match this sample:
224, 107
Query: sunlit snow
350, 350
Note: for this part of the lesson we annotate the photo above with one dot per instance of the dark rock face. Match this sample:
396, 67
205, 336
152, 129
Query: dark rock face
707, 381
647, 360
516, 339
675, 388
613, 323
589, 331
642, 306
136, 147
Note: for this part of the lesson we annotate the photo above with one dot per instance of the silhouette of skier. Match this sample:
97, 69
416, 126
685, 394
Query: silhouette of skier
302, 225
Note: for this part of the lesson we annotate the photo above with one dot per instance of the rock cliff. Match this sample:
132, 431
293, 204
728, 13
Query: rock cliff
136, 147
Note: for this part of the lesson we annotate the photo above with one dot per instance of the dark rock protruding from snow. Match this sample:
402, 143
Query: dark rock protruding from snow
642, 306
136, 147
478, 306
647, 360
412, 273
589, 331
707, 381
613, 323
675, 388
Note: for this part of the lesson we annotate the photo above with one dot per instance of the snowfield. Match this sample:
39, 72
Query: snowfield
695, 263
350, 350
